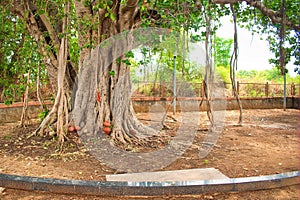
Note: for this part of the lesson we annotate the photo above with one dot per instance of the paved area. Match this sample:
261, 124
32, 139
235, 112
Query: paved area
176, 175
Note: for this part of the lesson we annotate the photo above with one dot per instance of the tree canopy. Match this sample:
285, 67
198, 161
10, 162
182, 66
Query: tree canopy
261, 17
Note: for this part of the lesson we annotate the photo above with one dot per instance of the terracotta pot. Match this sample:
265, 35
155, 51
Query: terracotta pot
106, 124
71, 128
106, 130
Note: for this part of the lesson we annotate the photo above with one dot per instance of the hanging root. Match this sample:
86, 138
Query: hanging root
59, 110
233, 65
24, 115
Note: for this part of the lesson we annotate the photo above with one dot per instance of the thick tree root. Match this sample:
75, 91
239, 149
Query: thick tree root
141, 144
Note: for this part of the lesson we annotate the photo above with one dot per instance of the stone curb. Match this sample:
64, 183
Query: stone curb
110, 188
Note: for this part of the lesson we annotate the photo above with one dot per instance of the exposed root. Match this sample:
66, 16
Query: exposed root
142, 144
166, 127
118, 136
173, 118
49, 119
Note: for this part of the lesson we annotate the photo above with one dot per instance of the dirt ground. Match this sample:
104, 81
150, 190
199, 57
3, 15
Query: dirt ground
266, 143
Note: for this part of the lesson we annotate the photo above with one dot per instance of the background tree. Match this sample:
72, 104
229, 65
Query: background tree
18, 54
222, 53
223, 48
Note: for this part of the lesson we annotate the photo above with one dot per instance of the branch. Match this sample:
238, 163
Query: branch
131, 3
34, 30
22, 9
19, 8
129, 15
274, 16
46, 22
51, 31
15, 6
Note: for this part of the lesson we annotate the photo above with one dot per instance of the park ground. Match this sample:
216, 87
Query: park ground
266, 143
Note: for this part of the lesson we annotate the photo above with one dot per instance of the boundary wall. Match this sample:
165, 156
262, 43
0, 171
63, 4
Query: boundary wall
12, 113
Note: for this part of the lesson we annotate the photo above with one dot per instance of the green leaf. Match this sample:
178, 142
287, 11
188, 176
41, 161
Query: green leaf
8, 102
110, 3
112, 16
127, 62
118, 61
129, 54
112, 73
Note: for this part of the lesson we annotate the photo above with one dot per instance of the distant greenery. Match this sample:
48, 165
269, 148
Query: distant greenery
273, 76
224, 73
223, 51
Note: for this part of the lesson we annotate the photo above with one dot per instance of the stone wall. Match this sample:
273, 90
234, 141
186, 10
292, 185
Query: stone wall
13, 112
141, 105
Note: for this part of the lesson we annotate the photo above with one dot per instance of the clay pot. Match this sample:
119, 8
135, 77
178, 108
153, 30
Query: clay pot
106, 124
71, 128
106, 130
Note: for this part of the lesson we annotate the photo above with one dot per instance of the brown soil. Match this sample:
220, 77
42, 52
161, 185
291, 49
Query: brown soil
267, 143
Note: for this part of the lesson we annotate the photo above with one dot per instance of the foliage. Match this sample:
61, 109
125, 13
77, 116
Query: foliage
273, 75
18, 54
156, 64
223, 48
224, 73
19, 51
255, 21
43, 114
297, 70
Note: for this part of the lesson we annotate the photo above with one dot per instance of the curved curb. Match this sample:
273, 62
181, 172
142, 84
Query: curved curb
106, 188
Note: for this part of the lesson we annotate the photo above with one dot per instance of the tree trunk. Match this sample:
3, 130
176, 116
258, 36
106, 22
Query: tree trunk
120, 17
108, 97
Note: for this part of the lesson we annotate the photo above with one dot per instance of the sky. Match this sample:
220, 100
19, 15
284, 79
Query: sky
253, 52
